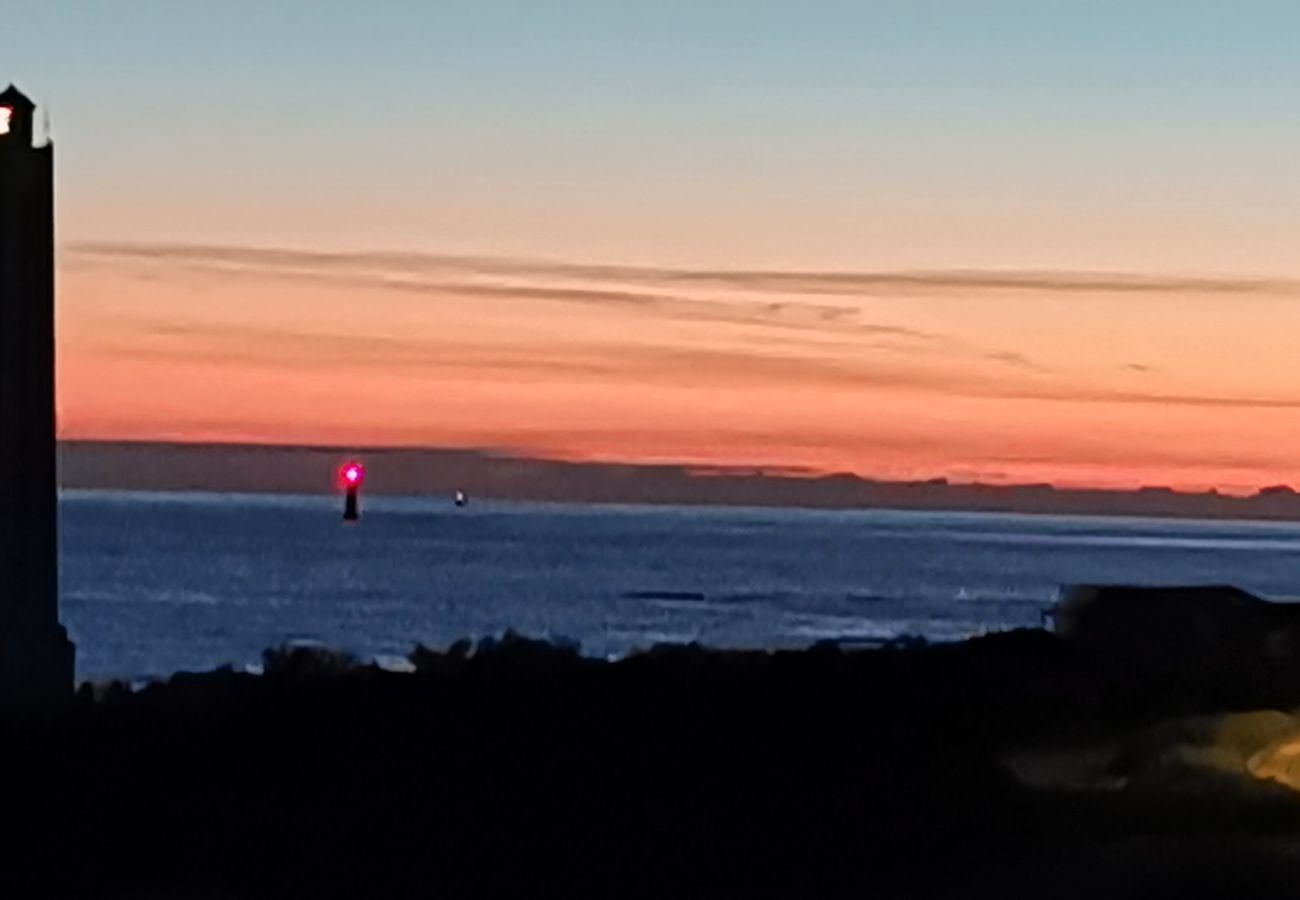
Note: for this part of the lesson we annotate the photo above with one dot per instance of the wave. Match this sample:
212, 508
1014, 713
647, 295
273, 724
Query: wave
703, 599
1121, 541
759, 597
680, 596
823, 627
639, 637
853, 597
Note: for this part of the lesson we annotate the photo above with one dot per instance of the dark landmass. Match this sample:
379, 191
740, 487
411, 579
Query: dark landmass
1021, 764
490, 474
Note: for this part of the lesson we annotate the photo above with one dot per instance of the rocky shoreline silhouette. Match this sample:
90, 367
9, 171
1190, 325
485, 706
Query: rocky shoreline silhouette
1014, 762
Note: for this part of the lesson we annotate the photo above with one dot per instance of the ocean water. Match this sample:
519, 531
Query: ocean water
158, 583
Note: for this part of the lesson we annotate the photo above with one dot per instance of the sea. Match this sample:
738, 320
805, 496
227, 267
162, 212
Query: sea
157, 583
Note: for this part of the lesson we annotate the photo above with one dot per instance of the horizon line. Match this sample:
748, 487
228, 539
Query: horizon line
691, 470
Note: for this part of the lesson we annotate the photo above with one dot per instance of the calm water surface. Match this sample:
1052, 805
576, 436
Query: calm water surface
156, 583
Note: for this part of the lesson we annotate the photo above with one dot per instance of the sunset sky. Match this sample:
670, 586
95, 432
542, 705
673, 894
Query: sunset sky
996, 241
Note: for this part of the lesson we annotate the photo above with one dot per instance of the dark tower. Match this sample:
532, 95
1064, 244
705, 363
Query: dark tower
36, 656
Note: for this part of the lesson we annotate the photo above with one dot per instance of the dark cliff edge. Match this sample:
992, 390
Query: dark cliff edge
1017, 763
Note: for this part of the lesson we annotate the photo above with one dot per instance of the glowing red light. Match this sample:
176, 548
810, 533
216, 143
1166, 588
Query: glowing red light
352, 474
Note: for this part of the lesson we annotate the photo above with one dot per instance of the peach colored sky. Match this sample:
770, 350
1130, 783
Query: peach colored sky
1081, 379
827, 144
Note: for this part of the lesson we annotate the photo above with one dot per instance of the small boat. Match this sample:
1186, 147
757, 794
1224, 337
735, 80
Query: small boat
461, 499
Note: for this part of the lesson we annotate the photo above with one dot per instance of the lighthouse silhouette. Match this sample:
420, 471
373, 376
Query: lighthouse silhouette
36, 657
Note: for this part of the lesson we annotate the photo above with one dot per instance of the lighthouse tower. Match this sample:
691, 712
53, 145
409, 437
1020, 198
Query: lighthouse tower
36, 657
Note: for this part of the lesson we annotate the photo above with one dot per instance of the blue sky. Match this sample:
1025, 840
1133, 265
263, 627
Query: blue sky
628, 126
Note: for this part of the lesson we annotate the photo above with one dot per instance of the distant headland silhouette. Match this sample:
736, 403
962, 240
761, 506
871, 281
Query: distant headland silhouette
496, 474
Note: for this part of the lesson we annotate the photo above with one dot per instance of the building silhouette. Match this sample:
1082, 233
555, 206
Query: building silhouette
36, 657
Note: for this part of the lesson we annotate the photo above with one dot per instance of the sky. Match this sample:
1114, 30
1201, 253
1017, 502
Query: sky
995, 241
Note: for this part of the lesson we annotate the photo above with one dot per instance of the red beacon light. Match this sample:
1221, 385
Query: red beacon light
351, 475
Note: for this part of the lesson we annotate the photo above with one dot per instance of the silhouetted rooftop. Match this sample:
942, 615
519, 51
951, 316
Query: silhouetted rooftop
11, 96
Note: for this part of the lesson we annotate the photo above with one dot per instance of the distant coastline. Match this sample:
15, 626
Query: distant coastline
489, 473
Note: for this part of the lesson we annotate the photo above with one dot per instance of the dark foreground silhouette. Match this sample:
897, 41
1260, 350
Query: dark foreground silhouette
1012, 764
